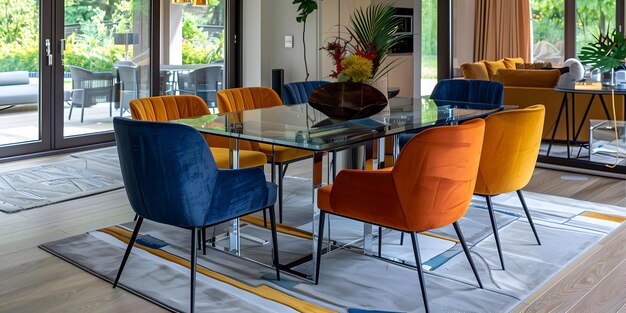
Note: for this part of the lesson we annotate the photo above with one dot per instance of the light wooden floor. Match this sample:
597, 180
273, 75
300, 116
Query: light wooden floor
32, 280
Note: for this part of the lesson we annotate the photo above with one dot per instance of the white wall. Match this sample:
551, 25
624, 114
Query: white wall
266, 23
251, 43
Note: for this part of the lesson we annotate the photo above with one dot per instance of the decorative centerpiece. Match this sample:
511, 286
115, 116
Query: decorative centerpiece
606, 54
361, 85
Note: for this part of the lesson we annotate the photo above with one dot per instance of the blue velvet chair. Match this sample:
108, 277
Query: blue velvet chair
299, 92
171, 178
467, 90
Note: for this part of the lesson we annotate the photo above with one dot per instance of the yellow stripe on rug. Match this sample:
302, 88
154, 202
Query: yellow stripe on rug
261, 291
604, 216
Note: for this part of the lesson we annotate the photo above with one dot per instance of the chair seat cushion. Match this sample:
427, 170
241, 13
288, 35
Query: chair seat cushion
246, 158
283, 154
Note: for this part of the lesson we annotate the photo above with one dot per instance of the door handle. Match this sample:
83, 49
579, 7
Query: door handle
62, 47
62, 51
49, 54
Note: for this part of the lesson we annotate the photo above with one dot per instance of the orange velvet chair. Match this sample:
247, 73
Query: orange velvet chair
166, 108
430, 186
510, 149
248, 98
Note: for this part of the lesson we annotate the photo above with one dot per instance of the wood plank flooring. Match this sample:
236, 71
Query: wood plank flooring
31, 280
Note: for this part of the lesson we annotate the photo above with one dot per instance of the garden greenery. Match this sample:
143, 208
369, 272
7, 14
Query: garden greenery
90, 26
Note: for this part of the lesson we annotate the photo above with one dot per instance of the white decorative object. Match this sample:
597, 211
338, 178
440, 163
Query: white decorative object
575, 68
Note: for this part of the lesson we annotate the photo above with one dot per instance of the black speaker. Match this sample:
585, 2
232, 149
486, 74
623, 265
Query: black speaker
278, 78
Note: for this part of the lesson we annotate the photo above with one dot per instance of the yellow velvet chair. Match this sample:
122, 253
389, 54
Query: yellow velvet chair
166, 108
430, 186
510, 148
248, 98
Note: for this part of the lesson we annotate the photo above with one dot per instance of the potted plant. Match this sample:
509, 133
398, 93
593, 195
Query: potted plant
372, 33
606, 53
305, 8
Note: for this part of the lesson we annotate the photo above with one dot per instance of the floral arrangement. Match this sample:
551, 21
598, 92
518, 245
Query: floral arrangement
372, 35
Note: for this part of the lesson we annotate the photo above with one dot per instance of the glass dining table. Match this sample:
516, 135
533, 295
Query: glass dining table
302, 127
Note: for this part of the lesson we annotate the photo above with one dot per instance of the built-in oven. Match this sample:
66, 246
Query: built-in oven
405, 29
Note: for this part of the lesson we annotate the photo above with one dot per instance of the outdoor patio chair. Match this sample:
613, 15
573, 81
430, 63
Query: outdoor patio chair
128, 83
90, 88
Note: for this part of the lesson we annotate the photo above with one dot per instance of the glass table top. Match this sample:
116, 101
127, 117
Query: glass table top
301, 126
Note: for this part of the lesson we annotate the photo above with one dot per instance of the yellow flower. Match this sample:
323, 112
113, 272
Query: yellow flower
357, 69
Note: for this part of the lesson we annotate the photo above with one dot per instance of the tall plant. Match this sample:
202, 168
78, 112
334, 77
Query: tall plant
374, 30
305, 8
608, 52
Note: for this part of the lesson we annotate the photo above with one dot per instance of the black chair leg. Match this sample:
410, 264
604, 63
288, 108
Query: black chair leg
274, 241
135, 218
530, 220
420, 273
199, 231
494, 226
131, 242
459, 234
402, 238
280, 193
193, 260
320, 238
265, 218
203, 240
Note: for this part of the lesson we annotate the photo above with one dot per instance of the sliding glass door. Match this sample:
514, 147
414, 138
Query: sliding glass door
60, 77
24, 107
194, 45
104, 50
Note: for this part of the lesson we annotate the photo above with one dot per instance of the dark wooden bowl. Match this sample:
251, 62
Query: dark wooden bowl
346, 101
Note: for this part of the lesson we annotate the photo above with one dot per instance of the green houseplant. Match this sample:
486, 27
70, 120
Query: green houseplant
305, 8
606, 53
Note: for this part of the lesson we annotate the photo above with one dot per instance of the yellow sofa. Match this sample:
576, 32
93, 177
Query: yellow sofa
524, 88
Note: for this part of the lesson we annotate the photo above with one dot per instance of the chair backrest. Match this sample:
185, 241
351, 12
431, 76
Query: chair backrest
299, 92
166, 108
435, 174
84, 79
247, 98
479, 91
207, 78
206, 81
168, 170
127, 75
512, 141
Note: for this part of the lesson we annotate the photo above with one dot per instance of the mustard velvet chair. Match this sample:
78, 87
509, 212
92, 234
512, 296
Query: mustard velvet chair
430, 186
510, 149
166, 108
248, 98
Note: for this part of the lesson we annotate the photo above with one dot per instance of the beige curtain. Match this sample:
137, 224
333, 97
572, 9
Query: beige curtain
502, 29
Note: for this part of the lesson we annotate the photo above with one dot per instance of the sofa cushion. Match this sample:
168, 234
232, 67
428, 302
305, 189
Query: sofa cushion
510, 62
533, 66
528, 78
493, 67
18, 94
476, 70
14, 78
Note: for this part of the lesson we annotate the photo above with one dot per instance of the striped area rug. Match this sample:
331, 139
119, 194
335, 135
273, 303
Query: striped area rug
351, 281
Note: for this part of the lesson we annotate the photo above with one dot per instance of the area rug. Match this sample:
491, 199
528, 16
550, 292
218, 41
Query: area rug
81, 175
351, 281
